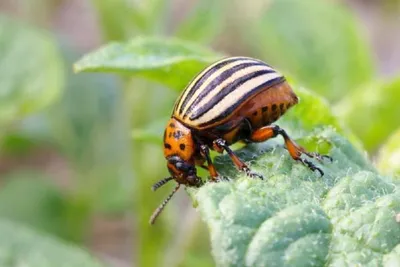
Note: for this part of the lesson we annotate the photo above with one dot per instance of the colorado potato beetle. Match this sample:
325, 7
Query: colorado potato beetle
234, 99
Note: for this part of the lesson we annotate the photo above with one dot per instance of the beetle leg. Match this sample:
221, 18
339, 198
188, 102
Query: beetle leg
317, 156
205, 152
294, 149
217, 147
221, 143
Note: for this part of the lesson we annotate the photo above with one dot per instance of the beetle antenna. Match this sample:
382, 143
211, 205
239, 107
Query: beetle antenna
162, 206
161, 183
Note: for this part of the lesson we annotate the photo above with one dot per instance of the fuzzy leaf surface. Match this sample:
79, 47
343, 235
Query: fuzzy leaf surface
294, 217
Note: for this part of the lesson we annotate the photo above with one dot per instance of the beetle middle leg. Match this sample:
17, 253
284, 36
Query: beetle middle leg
294, 149
220, 145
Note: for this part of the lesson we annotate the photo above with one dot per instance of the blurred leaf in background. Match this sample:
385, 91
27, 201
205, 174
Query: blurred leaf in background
21, 246
317, 42
372, 111
389, 156
152, 133
31, 71
87, 127
43, 209
116, 18
90, 127
203, 23
121, 20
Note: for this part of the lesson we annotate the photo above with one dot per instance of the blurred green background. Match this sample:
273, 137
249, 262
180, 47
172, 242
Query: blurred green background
79, 152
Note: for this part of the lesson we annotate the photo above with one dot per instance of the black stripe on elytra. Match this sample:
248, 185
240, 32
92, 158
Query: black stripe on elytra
256, 90
220, 79
199, 82
226, 91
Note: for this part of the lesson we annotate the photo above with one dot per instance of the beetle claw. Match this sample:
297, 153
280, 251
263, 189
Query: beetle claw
252, 174
328, 157
318, 156
311, 166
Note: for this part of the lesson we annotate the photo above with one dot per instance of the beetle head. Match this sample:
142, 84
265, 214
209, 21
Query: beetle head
179, 149
182, 171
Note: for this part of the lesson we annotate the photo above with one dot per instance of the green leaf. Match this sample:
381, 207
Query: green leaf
372, 111
294, 217
20, 246
31, 72
203, 22
171, 62
317, 42
389, 156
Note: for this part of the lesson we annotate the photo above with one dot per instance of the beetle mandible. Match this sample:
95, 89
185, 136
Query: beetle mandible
234, 99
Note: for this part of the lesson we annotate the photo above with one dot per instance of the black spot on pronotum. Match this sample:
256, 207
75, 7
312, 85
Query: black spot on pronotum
178, 134
255, 113
170, 135
167, 146
264, 109
172, 125
274, 107
288, 105
282, 107
182, 146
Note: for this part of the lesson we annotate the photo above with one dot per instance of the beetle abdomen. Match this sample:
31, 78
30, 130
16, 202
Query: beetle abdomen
268, 106
221, 88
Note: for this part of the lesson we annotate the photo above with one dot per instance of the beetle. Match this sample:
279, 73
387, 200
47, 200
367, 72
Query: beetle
234, 99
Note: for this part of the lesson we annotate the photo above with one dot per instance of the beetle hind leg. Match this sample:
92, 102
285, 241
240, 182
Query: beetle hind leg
294, 149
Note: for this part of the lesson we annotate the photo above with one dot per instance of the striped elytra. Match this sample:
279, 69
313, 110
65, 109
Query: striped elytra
234, 99
221, 88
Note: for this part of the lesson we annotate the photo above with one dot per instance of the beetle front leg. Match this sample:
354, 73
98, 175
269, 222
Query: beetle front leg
294, 149
221, 145
205, 152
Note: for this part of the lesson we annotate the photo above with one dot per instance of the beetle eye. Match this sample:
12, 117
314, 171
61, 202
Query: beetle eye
179, 165
183, 166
